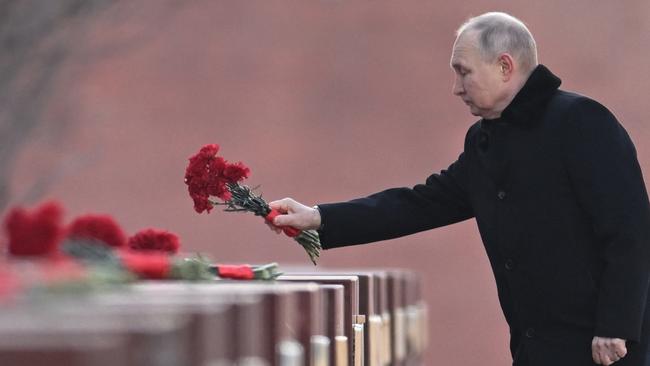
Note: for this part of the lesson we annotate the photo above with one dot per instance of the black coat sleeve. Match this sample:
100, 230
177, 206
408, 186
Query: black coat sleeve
605, 175
441, 200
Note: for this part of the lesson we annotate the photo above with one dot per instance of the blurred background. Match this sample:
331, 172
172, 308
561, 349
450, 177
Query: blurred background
102, 102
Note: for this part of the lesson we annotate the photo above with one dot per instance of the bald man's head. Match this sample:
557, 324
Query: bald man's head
493, 56
497, 33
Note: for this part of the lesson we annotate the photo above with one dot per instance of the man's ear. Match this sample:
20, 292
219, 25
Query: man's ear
506, 66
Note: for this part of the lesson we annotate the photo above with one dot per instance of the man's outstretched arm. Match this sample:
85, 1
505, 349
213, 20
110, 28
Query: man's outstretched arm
440, 201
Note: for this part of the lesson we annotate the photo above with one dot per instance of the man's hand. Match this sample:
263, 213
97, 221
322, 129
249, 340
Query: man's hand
606, 351
295, 214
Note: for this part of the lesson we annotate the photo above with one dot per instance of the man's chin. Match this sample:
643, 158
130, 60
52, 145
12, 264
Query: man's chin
475, 112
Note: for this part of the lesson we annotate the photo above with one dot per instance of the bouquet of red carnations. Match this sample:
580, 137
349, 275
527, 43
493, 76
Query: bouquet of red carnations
210, 177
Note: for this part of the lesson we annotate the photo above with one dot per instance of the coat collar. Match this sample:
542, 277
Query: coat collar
541, 85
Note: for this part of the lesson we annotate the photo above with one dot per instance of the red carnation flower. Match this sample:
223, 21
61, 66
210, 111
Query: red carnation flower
216, 166
201, 203
35, 233
215, 185
155, 241
198, 179
236, 172
99, 227
209, 151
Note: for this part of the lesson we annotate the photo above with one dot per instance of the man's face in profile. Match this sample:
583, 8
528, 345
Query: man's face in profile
477, 82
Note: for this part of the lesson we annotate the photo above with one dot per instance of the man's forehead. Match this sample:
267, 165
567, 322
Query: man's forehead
469, 37
459, 56
464, 42
464, 46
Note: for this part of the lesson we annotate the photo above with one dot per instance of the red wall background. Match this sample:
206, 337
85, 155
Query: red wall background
325, 101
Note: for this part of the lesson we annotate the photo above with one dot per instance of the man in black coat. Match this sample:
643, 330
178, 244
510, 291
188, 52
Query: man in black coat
554, 184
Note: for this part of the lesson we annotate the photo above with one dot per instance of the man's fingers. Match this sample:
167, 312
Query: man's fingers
609, 359
620, 348
606, 360
279, 205
283, 220
614, 349
295, 214
606, 351
595, 352
284, 205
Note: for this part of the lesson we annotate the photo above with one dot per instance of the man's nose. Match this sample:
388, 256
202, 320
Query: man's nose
457, 89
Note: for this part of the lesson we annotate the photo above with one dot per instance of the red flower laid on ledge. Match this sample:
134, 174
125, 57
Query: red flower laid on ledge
153, 266
37, 232
154, 240
209, 176
97, 227
246, 271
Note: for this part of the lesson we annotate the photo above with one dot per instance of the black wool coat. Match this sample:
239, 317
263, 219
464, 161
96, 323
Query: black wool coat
557, 192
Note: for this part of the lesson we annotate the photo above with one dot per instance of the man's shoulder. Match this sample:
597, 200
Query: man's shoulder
573, 111
572, 102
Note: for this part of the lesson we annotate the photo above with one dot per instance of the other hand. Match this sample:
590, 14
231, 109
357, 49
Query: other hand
606, 351
294, 214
